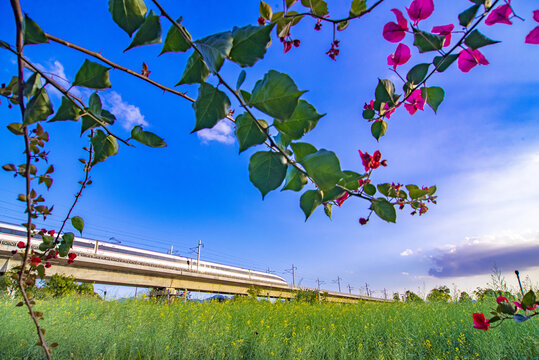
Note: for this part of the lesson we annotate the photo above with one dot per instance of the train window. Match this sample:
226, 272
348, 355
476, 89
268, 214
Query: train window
136, 253
83, 244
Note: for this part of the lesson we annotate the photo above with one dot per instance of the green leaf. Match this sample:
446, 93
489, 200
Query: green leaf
211, 106
16, 128
385, 92
40, 272
435, 96
149, 33
32, 33
283, 141
368, 114
276, 95
175, 40
318, 7
32, 85
267, 171
295, 180
250, 44
384, 209
328, 209
384, 188
246, 96
94, 104
369, 189
506, 308
39, 108
90, 123
68, 238
476, 40
417, 73
195, 71
425, 41
67, 111
358, 6
417, 193
248, 133
215, 48
241, 79
92, 75
104, 146
309, 201
341, 26
528, 300
302, 149
466, 17
350, 179
265, 10
128, 14
323, 167
378, 129
146, 137
442, 63
333, 194
303, 119
77, 223
289, 3
63, 250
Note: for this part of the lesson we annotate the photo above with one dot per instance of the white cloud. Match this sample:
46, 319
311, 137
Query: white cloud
405, 273
407, 252
222, 132
128, 115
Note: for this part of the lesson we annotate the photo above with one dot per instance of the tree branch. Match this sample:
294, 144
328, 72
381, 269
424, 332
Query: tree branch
17, 12
336, 21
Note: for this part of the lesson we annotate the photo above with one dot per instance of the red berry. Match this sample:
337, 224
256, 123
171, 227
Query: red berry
13, 252
297, 42
51, 232
70, 262
21, 245
363, 221
9, 106
72, 256
261, 21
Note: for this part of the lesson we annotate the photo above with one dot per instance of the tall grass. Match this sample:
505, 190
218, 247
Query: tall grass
88, 328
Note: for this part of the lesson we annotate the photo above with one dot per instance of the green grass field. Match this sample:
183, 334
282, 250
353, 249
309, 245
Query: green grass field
88, 328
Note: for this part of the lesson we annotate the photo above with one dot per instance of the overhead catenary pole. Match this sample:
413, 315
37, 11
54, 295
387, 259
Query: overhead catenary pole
367, 289
318, 281
171, 249
339, 282
293, 275
198, 252
349, 289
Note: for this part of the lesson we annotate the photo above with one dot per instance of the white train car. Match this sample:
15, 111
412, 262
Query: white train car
11, 234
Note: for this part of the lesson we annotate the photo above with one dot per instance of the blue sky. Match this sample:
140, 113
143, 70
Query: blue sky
481, 150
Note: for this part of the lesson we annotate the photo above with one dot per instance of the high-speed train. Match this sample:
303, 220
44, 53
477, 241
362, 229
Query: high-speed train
11, 234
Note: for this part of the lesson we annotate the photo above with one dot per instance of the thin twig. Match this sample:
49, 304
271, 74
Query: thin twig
17, 12
336, 21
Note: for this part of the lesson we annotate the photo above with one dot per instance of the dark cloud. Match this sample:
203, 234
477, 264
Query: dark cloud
478, 258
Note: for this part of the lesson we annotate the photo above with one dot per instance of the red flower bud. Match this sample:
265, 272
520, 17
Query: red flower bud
13, 252
21, 245
48, 265
70, 262
363, 221
36, 260
384, 163
297, 42
51, 232
72, 256
261, 21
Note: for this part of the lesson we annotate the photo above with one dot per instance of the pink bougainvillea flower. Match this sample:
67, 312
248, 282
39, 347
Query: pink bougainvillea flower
366, 159
444, 30
536, 15
386, 112
342, 199
533, 36
500, 15
469, 58
479, 321
395, 32
400, 56
36, 260
519, 305
420, 10
21, 245
369, 105
416, 102
501, 299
